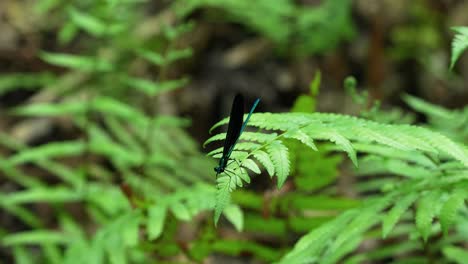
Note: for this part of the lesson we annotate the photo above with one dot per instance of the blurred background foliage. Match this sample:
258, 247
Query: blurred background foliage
104, 106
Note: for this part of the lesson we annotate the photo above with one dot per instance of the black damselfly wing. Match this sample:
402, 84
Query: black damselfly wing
235, 125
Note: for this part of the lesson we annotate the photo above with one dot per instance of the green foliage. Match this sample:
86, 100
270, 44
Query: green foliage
129, 180
139, 174
459, 44
392, 217
401, 144
9, 82
291, 27
456, 254
452, 123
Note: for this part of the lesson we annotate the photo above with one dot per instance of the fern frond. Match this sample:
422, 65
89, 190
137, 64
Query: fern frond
34, 237
427, 108
102, 144
244, 176
258, 137
278, 154
155, 220
373, 164
30, 81
309, 247
426, 212
403, 137
392, 217
89, 23
456, 254
235, 215
52, 195
302, 137
225, 185
180, 211
265, 160
410, 144
152, 88
367, 217
449, 209
248, 146
217, 137
342, 142
78, 62
251, 165
345, 228
388, 152
51, 150
21, 212
100, 104
459, 44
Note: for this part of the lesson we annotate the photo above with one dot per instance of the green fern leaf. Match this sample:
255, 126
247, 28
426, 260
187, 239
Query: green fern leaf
151, 56
240, 174
347, 247
247, 146
48, 151
180, 211
250, 136
279, 156
178, 54
240, 148
225, 185
234, 214
459, 44
258, 137
366, 218
346, 146
217, 137
425, 214
446, 146
243, 175
90, 24
101, 104
456, 254
82, 63
427, 108
339, 140
155, 221
235, 156
121, 133
392, 217
308, 248
103, 145
385, 151
22, 256
30, 81
302, 137
214, 153
151, 88
449, 209
45, 109
365, 132
130, 230
21, 212
251, 165
405, 134
219, 123
318, 125
111, 106
34, 237
265, 160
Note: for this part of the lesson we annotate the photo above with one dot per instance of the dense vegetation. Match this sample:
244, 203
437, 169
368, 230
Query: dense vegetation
97, 167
